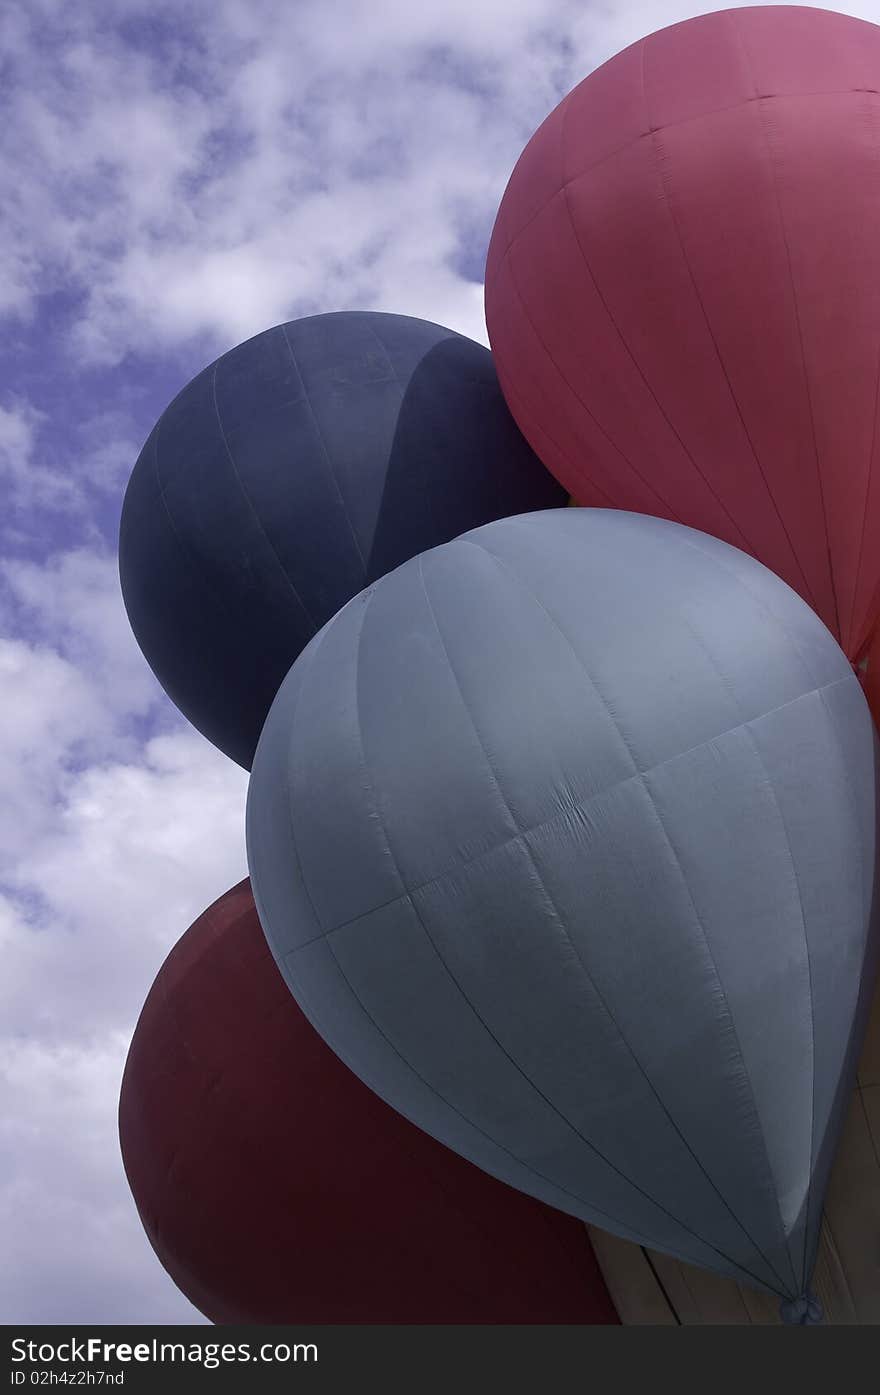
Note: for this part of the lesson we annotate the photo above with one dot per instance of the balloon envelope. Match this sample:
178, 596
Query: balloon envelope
275, 1187
563, 837
682, 293
300, 466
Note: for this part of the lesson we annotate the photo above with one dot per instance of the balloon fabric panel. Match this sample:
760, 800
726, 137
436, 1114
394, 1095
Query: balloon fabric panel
682, 297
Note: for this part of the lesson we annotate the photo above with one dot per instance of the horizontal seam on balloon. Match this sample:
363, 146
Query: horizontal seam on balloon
746, 728
326, 453
249, 502
582, 807
671, 126
644, 378
555, 908
800, 332
577, 397
722, 365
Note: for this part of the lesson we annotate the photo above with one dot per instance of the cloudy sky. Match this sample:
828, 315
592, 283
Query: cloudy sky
175, 178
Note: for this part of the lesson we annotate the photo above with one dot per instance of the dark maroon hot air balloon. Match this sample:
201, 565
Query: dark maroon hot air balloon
275, 1187
683, 293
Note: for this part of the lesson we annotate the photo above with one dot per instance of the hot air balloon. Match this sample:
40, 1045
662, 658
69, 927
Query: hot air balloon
298, 468
683, 293
603, 788
275, 1188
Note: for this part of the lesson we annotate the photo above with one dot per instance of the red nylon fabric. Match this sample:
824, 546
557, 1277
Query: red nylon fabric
275, 1187
683, 293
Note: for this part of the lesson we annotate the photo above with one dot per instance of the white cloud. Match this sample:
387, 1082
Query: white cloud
70, 1233
314, 158
110, 847
21, 474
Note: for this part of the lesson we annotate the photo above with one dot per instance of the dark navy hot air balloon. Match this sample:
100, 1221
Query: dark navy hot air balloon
563, 836
292, 472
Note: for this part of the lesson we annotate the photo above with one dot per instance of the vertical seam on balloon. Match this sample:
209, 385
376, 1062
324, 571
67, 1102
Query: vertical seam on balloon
847, 780
656, 146
419, 455
550, 899
855, 812
576, 395
660, 1284
797, 317
735, 1035
744, 1304
184, 550
643, 66
418, 915
746, 728
821, 691
566, 112
369, 326
182, 547
761, 103
510, 393
630, 354
871, 456
308, 659
565, 105
776, 619
690, 1293
326, 454
623, 1227
249, 503
832, 1245
738, 35
868, 1125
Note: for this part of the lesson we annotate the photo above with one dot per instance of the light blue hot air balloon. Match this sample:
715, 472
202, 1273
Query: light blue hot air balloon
563, 837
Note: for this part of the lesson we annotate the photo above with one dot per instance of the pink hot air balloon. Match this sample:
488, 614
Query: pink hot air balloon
683, 293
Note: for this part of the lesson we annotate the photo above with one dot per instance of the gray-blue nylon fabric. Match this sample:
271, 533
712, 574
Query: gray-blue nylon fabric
563, 837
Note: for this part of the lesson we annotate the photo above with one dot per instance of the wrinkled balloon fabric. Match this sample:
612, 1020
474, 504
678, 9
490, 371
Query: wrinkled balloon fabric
563, 837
